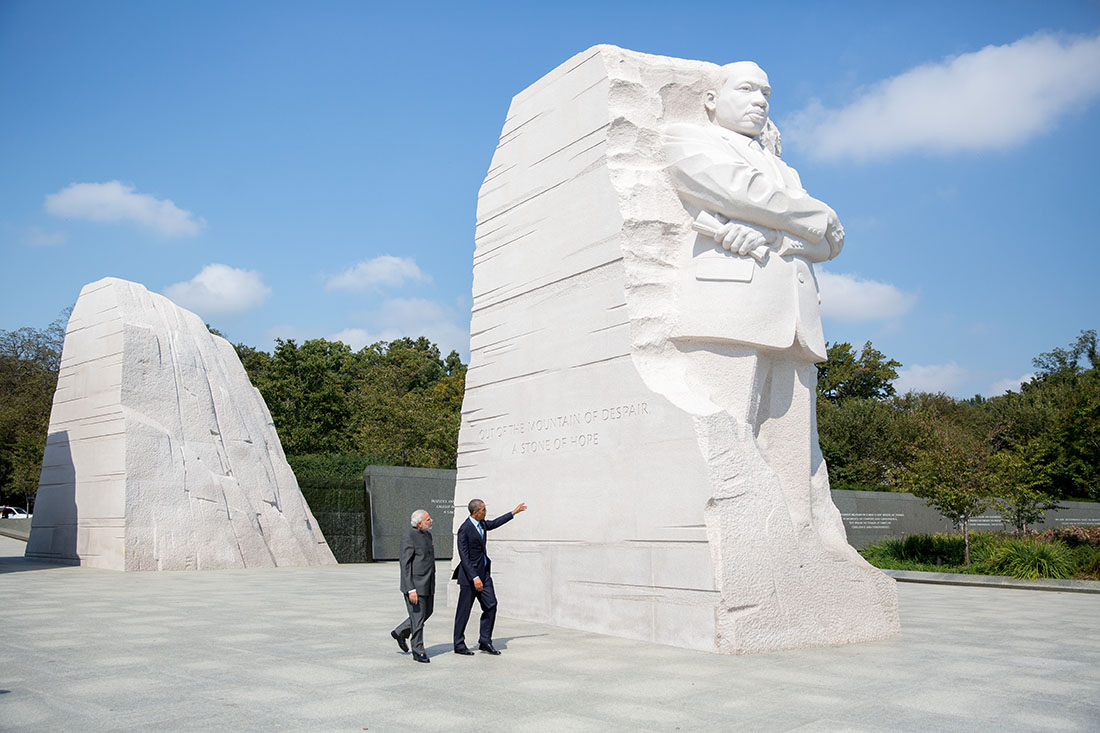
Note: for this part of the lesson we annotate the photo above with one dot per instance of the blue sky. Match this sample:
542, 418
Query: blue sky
303, 170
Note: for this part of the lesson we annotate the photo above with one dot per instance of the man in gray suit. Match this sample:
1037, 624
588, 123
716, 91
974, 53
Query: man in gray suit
417, 584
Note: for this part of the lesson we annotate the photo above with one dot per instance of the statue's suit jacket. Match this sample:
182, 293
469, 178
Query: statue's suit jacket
417, 562
721, 172
473, 562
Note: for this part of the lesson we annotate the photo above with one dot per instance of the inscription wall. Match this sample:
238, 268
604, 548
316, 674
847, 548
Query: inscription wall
870, 516
396, 492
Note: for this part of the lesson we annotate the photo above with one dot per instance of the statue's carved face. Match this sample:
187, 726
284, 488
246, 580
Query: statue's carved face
742, 105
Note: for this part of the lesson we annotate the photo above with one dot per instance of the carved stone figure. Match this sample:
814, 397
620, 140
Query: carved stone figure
756, 360
161, 455
645, 326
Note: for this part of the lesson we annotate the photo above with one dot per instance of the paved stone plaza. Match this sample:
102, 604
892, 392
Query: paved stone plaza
309, 648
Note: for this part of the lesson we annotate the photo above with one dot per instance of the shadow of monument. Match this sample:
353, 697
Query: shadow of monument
53, 536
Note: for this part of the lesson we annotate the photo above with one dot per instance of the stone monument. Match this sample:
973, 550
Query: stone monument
161, 455
645, 327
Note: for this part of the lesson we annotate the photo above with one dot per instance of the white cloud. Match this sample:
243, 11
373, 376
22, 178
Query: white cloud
931, 378
35, 237
850, 299
114, 201
411, 311
385, 270
1010, 384
220, 290
994, 98
357, 338
412, 317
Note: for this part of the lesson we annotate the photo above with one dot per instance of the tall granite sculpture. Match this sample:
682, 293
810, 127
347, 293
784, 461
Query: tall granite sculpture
645, 327
161, 455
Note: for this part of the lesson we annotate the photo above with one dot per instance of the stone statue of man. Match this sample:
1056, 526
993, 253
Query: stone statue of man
755, 356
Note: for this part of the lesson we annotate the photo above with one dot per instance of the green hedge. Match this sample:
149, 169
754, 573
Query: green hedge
332, 484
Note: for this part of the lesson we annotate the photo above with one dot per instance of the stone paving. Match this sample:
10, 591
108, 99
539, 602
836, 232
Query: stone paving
309, 649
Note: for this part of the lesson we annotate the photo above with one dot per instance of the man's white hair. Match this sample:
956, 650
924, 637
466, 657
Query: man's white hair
418, 517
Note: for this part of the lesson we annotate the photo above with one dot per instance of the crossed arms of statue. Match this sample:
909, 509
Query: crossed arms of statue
752, 211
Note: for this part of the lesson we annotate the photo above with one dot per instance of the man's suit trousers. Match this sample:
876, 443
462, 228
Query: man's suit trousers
488, 599
413, 626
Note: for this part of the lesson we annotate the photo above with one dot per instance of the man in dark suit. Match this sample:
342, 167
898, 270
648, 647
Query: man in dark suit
473, 576
417, 583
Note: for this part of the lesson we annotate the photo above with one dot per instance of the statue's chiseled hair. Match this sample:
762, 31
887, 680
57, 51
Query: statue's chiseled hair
769, 137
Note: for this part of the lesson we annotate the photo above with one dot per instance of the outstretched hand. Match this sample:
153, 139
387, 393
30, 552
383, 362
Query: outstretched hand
521, 507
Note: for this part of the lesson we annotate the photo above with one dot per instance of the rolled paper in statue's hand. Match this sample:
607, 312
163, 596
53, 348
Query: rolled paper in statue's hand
708, 224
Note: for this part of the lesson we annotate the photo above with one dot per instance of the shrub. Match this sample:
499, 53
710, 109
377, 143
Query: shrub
1086, 563
1073, 536
936, 549
939, 552
924, 549
1031, 559
884, 551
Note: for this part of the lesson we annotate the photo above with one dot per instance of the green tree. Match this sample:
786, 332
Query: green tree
310, 391
411, 404
863, 437
1077, 437
951, 470
846, 375
1020, 476
397, 401
866, 443
1059, 363
1066, 391
29, 363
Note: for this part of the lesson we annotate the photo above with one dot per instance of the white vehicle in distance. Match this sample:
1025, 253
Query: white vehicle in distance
13, 512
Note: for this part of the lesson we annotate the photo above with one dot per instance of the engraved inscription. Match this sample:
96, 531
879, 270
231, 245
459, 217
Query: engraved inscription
575, 430
870, 520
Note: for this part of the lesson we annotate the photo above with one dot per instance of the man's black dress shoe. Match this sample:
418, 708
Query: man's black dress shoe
465, 651
400, 641
421, 657
488, 648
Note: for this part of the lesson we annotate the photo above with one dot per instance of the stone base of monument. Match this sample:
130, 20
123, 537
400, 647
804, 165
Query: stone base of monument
161, 455
599, 387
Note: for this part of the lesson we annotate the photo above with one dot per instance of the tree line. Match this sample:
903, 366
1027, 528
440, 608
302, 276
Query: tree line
1016, 453
390, 403
29, 361
399, 403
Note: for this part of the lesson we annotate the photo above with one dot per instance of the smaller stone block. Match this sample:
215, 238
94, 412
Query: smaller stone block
161, 455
